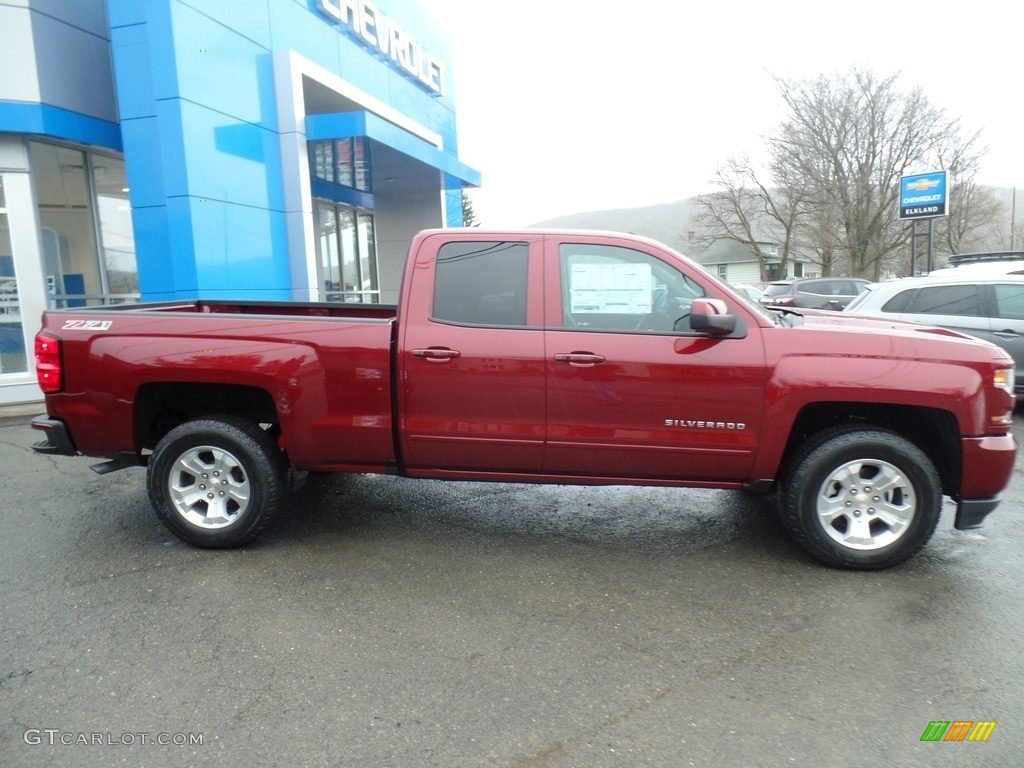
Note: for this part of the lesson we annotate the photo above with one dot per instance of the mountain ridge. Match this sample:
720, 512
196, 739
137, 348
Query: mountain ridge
668, 223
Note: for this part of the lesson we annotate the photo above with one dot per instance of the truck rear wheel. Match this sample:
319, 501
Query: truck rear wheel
861, 498
217, 481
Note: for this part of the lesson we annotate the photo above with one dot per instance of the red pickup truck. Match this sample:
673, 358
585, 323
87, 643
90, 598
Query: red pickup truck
539, 356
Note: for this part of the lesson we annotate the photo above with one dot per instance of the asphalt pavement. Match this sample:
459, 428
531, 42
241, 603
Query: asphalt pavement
391, 622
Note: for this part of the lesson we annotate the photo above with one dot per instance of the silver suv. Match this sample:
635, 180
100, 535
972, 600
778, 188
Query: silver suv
990, 307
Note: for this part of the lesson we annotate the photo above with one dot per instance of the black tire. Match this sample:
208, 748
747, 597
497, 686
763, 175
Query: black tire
217, 482
831, 503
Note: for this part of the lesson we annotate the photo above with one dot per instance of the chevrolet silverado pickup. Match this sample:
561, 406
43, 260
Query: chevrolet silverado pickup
568, 357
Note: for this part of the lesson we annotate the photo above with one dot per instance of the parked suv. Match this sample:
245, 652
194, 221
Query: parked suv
990, 307
813, 292
985, 264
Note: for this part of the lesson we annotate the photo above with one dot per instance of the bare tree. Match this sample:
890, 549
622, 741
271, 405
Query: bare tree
974, 211
851, 138
744, 211
831, 190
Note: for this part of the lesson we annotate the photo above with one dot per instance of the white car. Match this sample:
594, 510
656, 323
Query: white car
990, 307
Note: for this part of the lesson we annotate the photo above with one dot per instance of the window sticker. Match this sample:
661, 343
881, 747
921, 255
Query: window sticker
620, 289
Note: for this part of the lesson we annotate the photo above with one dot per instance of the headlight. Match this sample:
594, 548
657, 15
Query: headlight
1005, 379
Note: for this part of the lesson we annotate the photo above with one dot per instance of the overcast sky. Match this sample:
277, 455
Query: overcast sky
577, 105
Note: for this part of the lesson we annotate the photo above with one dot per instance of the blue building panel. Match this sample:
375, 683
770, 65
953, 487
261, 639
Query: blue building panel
143, 142
136, 97
352, 65
199, 103
159, 232
236, 257
159, 38
171, 151
47, 120
294, 27
124, 13
222, 69
226, 159
248, 18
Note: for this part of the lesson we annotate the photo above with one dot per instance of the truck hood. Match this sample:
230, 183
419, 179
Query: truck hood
821, 318
930, 336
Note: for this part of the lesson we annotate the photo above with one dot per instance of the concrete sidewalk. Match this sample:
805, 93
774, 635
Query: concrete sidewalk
21, 412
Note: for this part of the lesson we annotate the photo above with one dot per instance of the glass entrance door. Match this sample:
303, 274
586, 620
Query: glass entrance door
13, 357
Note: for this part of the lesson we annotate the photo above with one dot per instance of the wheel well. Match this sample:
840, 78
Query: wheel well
160, 407
933, 431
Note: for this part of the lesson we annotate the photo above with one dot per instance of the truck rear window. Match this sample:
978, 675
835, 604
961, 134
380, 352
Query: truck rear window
481, 283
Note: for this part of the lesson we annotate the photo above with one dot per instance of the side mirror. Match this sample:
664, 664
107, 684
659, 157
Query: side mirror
712, 316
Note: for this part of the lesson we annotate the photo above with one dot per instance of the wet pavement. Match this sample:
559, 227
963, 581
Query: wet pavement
391, 622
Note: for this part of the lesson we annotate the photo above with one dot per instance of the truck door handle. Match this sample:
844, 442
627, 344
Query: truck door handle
437, 354
1007, 334
579, 359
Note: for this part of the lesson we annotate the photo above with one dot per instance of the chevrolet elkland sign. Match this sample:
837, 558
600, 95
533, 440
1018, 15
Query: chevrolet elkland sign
381, 34
924, 196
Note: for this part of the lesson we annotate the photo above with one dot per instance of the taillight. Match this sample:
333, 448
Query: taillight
48, 371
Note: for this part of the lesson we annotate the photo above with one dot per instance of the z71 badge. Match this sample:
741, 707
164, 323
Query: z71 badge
87, 325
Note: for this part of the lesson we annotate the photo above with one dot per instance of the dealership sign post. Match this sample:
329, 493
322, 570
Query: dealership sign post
923, 196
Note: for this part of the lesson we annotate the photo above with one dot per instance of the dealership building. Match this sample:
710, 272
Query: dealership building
236, 149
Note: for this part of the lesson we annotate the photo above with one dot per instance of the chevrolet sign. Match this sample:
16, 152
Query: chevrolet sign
924, 196
382, 35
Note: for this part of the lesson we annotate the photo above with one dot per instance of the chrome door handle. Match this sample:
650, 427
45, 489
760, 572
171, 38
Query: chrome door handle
437, 354
579, 359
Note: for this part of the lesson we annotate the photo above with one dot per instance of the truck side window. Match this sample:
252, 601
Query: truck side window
610, 288
481, 283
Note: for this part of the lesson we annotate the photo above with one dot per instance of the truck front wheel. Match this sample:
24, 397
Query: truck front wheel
861, 498
216, 482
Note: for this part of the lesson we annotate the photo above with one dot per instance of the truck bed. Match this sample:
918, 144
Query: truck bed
322, 371
288, 308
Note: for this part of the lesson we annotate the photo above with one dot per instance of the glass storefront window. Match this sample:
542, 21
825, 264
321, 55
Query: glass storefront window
345, 162
85, 226
327, 247
12, 337
347, 254
345, 172
349, 257
367, 252
360, 165
323, 160
117, 239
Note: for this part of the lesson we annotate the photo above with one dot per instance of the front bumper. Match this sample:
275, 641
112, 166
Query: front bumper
986, 470
971, 513
57, 440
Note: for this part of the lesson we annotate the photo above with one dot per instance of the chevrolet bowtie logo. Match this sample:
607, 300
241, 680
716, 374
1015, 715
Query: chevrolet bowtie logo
923, 185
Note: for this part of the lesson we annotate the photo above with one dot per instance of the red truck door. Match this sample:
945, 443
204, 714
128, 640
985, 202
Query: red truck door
631, 393
471, 356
